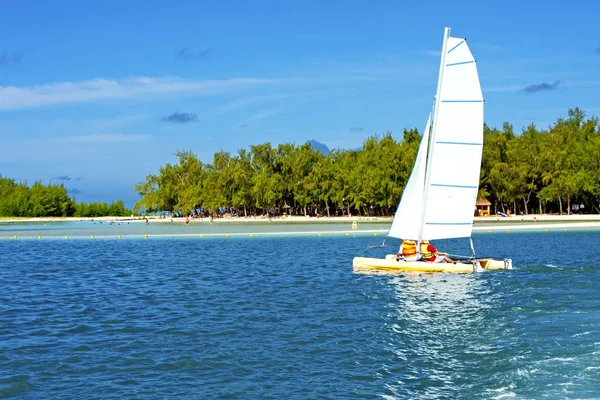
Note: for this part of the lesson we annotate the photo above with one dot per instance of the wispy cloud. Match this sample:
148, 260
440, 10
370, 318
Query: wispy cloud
261, 115
506, 88
484, 46
12, 98
105, 138
251, 100
489, 47
357, 129
266, 113
186, 54
118, 120
7, 59
581, 83
85, 148
541, 87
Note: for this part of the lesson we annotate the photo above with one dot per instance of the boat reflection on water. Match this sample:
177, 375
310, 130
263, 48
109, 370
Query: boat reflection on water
437, 332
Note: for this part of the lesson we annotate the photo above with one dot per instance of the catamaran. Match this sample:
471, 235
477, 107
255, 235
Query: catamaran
439, 198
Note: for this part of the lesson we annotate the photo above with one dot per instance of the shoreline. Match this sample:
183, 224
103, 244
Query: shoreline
493, 223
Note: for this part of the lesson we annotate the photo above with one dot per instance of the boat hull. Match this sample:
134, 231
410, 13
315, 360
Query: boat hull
390, 264
491, 263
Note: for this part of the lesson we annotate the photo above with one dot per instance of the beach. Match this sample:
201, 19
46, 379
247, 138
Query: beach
491, 223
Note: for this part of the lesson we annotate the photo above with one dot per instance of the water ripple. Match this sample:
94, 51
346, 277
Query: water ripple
285, 317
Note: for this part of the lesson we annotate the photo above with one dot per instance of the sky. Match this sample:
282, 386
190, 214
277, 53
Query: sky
98, 94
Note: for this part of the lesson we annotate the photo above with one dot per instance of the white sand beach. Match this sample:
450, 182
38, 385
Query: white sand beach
495, 223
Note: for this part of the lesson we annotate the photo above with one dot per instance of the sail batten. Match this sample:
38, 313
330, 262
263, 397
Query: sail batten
460, 63
455, 186
452, 49
460, 143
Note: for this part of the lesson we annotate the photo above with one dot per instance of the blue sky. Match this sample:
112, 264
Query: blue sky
99, 94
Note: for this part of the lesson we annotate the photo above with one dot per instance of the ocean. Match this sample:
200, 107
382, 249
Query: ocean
283, 316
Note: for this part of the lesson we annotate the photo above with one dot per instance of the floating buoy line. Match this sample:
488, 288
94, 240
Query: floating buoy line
346, 233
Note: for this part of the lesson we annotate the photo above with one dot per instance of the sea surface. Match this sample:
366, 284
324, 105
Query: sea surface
285, 317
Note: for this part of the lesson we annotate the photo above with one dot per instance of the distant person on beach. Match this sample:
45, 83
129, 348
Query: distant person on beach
431, 254
147, 222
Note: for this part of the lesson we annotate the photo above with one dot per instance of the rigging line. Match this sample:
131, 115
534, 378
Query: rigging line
378, 246
375, 247
459, 256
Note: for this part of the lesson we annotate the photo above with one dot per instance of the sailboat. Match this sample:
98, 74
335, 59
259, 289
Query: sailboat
439, 198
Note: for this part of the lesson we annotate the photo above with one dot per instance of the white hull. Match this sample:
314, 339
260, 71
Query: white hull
390, 264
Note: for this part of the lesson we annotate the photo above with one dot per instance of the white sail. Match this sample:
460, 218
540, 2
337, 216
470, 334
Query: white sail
407, 220
439, 198
456, 148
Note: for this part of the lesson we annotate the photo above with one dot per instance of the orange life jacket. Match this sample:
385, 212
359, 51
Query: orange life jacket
409, 248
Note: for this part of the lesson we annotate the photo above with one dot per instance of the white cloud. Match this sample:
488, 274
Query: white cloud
581, 83
506, 88
112, 123
265, 113
83, 148
249, 101
12, 98
261, 115
105, 138
488, 46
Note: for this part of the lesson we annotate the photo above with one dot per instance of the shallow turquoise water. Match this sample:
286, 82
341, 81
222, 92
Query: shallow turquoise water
242, 227
272, 317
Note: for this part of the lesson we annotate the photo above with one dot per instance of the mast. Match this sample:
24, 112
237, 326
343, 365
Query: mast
433, 130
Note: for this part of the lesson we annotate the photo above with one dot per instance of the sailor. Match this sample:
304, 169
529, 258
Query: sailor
431, 254
408, 251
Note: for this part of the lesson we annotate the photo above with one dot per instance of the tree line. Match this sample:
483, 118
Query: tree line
553, 170
39, 200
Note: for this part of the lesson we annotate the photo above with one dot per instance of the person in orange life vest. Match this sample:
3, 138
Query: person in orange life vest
431, 254
408, 251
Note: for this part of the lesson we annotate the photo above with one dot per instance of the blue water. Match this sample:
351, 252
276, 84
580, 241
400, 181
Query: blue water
285, 317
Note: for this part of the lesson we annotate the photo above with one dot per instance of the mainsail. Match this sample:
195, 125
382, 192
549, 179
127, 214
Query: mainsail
441, 207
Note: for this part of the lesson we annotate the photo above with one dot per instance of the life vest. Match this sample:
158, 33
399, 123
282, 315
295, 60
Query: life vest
409, 248
427, 255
